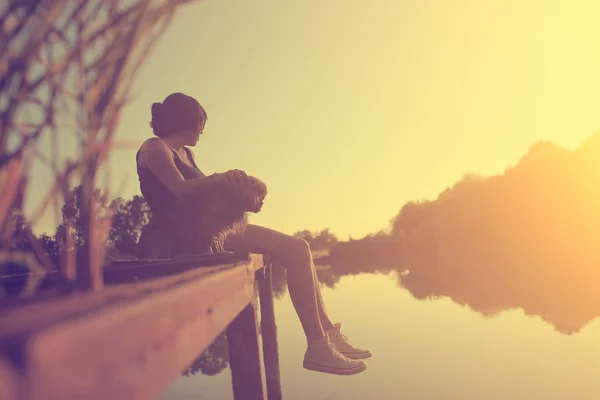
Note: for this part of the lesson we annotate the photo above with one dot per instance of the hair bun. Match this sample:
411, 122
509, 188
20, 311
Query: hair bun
176, 113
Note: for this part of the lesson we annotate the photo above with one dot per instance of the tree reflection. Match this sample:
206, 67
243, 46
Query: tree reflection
213, 360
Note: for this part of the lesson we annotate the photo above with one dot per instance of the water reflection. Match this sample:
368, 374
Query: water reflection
565, 297
424, 349
214, 360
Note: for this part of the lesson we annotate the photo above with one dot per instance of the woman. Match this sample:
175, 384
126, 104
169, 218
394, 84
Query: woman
168, 174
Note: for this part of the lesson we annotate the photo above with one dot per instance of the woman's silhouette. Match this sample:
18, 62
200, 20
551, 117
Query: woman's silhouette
168, 174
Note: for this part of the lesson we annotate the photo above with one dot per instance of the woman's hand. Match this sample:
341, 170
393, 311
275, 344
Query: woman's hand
234, 178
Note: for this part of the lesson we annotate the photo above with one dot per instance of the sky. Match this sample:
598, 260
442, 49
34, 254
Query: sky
349, 109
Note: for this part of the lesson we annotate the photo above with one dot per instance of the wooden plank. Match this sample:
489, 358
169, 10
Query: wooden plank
128, 341
22, 314
120, 271
31, 314
130, 270
268, 330
245, 358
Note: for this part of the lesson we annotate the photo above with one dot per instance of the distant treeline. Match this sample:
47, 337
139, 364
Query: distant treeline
526, 239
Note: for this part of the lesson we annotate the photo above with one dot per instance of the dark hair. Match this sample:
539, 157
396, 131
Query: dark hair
176, 113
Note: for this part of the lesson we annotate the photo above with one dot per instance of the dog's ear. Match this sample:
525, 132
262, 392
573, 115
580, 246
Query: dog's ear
257, 188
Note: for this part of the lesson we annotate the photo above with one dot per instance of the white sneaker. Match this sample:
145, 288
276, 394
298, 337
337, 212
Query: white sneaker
341, 343
322, 356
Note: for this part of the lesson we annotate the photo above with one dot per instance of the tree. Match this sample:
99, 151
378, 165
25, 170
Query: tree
411, 216
324, 240
213, 360
51, 247
305, 234
73, 215
128, 220
318, 240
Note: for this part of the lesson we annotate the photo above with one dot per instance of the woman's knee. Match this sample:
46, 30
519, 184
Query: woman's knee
264, 240
297, 247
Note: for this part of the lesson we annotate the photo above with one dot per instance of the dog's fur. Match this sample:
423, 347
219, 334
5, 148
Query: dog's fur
201, 222
215, 214
225, 212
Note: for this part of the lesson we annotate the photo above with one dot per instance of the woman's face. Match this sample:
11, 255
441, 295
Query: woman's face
193, 135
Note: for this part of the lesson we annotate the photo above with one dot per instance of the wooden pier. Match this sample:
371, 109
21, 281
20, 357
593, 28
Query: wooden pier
131, 339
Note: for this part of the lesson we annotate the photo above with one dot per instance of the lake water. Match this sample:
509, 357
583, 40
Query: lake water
426, 349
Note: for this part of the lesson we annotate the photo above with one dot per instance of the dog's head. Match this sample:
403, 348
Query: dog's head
255, 193
244, 198
251, 194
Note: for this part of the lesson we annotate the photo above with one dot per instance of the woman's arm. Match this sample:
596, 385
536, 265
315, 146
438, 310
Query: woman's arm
157, 157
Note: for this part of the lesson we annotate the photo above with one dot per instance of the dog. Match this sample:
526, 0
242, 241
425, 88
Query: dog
200, 223
225, 212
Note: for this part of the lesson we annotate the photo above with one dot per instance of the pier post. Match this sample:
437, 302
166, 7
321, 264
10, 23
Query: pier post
245, 358
268, 329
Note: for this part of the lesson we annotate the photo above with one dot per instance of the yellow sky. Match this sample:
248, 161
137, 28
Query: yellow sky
348, 109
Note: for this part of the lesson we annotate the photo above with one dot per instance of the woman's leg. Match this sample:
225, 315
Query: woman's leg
322, 354
325, 321
294, 253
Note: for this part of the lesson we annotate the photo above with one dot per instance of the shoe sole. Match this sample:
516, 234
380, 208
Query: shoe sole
335, 371
357, 356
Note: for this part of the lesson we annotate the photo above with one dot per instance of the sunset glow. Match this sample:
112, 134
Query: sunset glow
348, 110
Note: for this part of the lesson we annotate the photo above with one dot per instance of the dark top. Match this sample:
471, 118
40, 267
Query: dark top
157, 195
